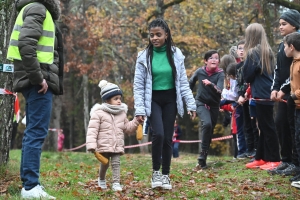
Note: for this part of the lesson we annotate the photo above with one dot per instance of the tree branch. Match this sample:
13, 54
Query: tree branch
286, 4
165, 7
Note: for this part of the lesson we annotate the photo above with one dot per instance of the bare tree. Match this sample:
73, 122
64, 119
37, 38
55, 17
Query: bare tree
7, 19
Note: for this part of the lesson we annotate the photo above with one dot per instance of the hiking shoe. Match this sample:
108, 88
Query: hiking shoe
291, 170
269, 165
251, 154
102, 184
295, 178
156, 179
166, 183
242, 156
255, 164
38, 192
281, 166
116, 187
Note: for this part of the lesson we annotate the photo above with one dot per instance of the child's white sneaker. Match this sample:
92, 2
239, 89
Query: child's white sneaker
116, 187
37, 192
102, 184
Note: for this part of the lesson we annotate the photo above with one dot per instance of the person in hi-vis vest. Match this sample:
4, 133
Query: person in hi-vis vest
36, 49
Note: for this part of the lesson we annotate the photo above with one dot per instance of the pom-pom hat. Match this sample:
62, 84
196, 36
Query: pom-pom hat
109, 90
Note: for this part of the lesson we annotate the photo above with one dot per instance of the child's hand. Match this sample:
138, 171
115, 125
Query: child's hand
91, 150
280, 95
192, 114
241, 100
140, 118
206, 82
221, 110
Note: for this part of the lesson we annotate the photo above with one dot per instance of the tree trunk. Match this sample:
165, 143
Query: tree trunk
85, 102
6, 116
7, 16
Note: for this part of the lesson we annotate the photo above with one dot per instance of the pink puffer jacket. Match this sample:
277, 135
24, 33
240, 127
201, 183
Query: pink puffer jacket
106, 131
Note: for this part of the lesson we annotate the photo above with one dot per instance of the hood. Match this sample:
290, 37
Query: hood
51, 5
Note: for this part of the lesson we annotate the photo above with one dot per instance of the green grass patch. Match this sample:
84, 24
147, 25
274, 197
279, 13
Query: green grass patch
72, 175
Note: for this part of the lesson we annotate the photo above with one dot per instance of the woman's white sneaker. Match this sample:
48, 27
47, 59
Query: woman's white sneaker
166, 183
38, 192
156, 179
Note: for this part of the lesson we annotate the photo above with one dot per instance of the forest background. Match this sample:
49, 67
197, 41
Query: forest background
102, 39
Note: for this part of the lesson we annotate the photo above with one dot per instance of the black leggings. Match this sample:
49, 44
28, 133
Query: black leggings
268, 145
162, 118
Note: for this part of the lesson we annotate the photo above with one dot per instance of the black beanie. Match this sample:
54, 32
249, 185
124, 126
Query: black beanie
292, 17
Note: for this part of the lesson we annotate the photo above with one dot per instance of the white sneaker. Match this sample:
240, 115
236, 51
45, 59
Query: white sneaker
156, 179
116, 187
102, 184
36, 192
166, 183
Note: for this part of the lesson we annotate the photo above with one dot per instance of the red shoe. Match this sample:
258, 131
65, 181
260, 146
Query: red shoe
269, 165
255, 164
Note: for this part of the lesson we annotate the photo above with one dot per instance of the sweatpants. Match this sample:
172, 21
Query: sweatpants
162, 118
283, 132
268, 145
115, 166
208, 117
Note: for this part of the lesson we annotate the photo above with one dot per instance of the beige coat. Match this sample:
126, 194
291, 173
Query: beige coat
106, 131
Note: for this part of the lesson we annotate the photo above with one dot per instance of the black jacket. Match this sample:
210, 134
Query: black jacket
260, 82
281, 79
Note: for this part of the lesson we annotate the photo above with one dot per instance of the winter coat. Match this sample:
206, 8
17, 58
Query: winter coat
210, 94
29, 71
106, 131
142, 88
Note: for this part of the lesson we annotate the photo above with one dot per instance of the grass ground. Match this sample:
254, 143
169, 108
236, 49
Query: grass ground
71, 175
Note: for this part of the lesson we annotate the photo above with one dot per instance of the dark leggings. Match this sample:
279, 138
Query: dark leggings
163, 114
268, 145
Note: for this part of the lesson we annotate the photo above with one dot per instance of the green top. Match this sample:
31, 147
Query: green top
161, 70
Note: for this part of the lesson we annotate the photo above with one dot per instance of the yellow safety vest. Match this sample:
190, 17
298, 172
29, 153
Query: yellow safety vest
45, 45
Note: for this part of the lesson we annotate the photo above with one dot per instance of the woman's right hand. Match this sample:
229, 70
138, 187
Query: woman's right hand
140, 118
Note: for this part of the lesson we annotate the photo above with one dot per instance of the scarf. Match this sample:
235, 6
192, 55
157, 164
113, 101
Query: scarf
212, 71
112, 109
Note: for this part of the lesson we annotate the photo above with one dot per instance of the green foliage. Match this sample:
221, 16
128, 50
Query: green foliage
74, 176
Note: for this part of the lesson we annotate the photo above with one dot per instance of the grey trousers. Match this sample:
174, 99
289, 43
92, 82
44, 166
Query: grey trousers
114, 159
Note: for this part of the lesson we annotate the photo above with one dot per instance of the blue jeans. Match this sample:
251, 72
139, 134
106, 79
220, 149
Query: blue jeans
176, 150
38, 111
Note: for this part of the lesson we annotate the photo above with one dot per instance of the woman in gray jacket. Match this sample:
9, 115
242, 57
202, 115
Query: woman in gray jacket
160, 84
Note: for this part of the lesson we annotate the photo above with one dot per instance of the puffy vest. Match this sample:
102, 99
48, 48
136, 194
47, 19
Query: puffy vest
45, 45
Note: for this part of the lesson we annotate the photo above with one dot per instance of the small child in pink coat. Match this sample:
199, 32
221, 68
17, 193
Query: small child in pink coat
106, 131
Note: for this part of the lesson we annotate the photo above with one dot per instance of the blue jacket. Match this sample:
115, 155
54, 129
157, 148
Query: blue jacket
260, 82
142, 87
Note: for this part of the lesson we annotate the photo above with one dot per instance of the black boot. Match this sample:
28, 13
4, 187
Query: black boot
202, 159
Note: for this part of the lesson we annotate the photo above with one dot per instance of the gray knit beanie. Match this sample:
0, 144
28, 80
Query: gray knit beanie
292, 17
109, 90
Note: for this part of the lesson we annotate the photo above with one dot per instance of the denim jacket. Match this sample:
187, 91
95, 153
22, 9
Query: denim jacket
142, 88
